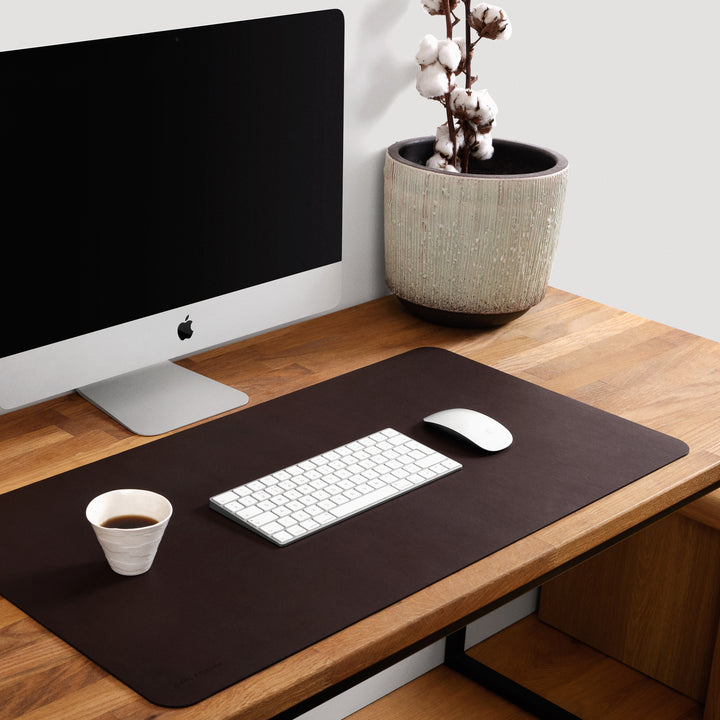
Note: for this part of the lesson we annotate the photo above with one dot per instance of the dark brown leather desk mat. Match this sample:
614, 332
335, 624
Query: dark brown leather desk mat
220, 603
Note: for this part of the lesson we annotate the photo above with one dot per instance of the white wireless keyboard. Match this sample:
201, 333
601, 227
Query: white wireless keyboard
309, 496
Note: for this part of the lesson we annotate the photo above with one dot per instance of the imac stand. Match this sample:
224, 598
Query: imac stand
161, 398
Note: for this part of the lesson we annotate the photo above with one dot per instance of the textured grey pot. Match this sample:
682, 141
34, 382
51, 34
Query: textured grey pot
472, 249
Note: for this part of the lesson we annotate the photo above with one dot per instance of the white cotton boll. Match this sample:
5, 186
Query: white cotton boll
444, 147
483, 148
443, 144
427, 53
477, 106
462, 100
506, 32
434, 7
464, 103
449, 55
438, 162
486, 108
502, 32
491, 22
460, 42
485, 13
432, 81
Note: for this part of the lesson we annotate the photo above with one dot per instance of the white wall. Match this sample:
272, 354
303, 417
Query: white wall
626, 91
632, 101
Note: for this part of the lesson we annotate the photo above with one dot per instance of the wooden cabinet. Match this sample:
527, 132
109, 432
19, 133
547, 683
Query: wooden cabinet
652, 602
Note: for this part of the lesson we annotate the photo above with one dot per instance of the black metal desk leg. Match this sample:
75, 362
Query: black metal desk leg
457, 659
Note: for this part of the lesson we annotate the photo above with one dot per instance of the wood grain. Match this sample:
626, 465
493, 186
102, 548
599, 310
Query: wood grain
441, 693
644, 371
652, 602
587, 683
712, 698
570, 674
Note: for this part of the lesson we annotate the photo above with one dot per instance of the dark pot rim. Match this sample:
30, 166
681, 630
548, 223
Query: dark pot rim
511, 159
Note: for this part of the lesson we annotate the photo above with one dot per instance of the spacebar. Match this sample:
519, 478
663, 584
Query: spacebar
362, 502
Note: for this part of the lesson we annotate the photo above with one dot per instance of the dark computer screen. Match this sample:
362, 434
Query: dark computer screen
143, 173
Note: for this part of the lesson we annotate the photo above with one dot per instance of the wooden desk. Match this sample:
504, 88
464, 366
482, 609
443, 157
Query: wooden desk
644, 371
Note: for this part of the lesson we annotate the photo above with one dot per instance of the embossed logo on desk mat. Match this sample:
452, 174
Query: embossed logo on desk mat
221, 603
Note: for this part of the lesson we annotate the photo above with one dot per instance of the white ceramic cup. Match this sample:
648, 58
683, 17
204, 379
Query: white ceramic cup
129, 551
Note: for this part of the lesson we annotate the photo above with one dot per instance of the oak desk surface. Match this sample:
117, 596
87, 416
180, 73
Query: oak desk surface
649, 373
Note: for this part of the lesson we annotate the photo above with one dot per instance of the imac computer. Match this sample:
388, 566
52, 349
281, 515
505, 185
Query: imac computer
162, 194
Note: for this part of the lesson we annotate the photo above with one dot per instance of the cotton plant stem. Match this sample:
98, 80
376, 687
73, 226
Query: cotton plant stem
468, 47
452, 135
448, 19
450, 121
468, 84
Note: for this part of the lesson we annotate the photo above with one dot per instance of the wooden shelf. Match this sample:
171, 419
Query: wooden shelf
651, 601
571, 674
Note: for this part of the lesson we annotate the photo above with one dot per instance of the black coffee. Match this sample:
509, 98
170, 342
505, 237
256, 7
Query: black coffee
129, 522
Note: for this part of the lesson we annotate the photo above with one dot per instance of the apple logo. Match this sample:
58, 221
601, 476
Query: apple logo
185, 330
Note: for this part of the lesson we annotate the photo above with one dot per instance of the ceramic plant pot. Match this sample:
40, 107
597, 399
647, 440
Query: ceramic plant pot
472, 249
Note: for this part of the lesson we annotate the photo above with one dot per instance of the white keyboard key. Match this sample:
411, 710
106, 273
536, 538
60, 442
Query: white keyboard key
264, 518
363, 501
310, 495
226, 497
273, 528
249, 512
429, 460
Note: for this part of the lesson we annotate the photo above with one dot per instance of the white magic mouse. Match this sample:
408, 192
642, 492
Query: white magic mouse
485, 432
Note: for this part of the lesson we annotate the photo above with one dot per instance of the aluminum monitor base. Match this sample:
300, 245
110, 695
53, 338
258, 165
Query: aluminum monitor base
161, 398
